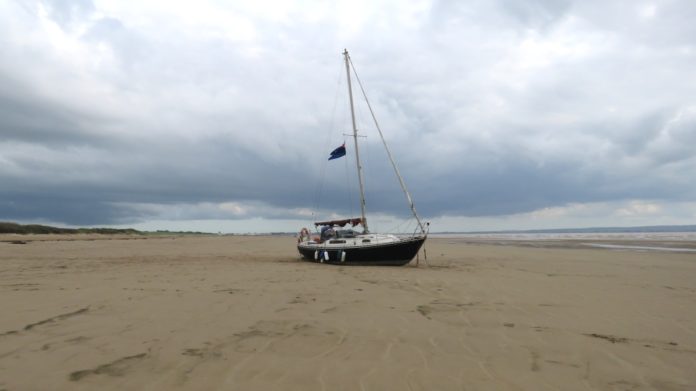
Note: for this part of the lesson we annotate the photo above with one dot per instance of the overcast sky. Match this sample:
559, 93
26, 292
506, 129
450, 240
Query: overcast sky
220, 115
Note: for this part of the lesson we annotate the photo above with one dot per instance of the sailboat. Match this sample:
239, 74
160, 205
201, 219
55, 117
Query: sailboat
340, 245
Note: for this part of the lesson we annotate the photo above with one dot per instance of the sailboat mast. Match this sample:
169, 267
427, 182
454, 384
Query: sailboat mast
355, 139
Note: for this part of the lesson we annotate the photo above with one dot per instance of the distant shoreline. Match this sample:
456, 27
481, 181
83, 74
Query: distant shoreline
38, 229
15, 228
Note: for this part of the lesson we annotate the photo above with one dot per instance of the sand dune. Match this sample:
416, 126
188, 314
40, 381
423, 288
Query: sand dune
211, 313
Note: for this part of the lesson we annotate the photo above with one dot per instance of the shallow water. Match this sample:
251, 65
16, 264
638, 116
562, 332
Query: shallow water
644, 248
633, 236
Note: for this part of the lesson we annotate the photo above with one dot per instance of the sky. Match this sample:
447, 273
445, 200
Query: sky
219, 116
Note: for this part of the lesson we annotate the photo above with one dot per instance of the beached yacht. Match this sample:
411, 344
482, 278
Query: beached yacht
340, 245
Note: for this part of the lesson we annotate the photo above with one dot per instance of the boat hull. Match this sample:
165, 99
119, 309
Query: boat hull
396, 253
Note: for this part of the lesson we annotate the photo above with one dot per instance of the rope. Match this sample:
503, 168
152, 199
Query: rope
322, 175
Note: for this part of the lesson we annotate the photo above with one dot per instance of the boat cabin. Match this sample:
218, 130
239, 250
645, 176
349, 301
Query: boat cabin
334, 229
329, 233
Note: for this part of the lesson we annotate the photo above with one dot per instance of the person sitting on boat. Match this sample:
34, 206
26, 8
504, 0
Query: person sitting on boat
303, 235
327, 232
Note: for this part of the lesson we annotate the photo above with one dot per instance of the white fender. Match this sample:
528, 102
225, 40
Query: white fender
343, 256
326, 256
316, 255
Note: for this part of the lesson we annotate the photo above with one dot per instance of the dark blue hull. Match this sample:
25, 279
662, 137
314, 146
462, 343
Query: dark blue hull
388, 254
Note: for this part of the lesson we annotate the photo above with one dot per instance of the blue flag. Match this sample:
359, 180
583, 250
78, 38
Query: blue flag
338, 152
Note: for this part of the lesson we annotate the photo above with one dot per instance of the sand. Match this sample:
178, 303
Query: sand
244, 313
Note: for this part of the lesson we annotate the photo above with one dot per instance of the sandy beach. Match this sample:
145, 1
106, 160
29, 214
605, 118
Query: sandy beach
244, 313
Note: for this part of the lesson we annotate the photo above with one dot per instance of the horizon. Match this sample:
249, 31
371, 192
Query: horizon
606, 229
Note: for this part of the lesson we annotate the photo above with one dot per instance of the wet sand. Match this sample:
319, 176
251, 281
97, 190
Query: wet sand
214, 313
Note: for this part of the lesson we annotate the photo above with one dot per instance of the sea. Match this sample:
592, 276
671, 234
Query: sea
635, 241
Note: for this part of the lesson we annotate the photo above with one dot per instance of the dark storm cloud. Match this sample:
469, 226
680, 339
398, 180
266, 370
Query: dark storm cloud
491, 108
54, 208
205, 171
27, 117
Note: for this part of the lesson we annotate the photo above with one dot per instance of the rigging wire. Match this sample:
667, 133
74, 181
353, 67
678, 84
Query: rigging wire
348, 186
396, 170
398, 228
363, 162
369, 166
322, 175
367, 162
366, 125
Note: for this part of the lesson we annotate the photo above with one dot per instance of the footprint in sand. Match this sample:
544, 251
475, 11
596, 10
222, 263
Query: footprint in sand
115, 368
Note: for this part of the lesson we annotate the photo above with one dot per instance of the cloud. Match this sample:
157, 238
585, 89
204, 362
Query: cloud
113, 113
67, 12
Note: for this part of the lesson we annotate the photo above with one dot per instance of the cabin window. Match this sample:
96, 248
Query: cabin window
366, 240
345, 233
336, 241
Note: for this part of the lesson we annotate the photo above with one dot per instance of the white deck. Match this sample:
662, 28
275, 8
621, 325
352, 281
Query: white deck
358, 241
